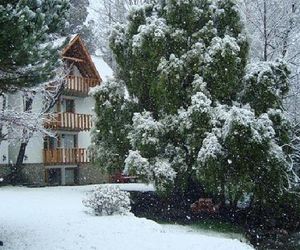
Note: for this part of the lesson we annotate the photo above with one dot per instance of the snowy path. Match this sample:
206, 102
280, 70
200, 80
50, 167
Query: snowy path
54, 218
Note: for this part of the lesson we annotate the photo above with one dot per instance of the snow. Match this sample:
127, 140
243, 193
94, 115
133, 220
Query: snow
158, 168
173, 66
102, 67
55, 218
261, 127
211, 148
226, 45
146, 130
162, 169
155, 28
136, 162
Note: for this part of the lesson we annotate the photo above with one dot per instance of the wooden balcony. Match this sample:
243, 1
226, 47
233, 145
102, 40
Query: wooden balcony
80, 86
70, 121
65, 156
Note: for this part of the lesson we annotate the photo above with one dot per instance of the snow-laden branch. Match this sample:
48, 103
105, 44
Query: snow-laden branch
17, 121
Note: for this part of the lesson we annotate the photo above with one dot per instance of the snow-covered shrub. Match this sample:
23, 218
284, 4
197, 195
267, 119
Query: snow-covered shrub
108, 200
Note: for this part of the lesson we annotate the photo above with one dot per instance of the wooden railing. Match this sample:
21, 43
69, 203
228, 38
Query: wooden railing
65, 156
80, 85
69, 121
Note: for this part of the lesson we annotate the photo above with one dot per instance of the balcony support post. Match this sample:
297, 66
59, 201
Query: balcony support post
63, 176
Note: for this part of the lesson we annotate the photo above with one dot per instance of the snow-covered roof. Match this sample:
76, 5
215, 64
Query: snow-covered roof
102, 67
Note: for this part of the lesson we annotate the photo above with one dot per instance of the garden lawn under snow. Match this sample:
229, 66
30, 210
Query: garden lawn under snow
54, 218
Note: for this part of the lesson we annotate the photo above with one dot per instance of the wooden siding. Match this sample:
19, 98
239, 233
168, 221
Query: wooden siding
77, 85
70, 121
65, 156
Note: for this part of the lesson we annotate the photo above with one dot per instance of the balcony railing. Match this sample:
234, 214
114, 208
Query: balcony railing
65, 156
78, 85
70, 121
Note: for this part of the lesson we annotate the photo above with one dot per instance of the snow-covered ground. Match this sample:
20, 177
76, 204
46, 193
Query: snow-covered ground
54, 218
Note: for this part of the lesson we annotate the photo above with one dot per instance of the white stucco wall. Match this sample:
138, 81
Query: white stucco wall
4, 157
10, 150
85, 105
76, 71
34, 149
37, 103
15, 101
84, 139
3, 144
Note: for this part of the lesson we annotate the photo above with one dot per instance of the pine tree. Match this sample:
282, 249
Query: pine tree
114, 114
27, 29
185, 62
30, 38
76, 18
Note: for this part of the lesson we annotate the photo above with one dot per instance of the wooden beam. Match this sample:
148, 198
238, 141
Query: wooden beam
73, 59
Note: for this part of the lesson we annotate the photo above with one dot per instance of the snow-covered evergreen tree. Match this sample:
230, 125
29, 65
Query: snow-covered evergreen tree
114, 113
27, 29
185, 62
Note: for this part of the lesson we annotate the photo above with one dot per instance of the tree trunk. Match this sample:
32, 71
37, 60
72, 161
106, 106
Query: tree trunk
223, 194
265, 32
287, 34
1, 127
16, 175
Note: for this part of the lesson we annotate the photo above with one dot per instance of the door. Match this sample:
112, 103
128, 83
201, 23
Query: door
70, 176
68, 105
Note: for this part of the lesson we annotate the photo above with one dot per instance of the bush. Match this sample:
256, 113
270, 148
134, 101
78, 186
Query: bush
108, 200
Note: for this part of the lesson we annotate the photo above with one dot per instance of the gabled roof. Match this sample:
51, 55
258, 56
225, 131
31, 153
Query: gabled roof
77, 53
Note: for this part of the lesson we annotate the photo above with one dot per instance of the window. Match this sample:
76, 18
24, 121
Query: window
70, 105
